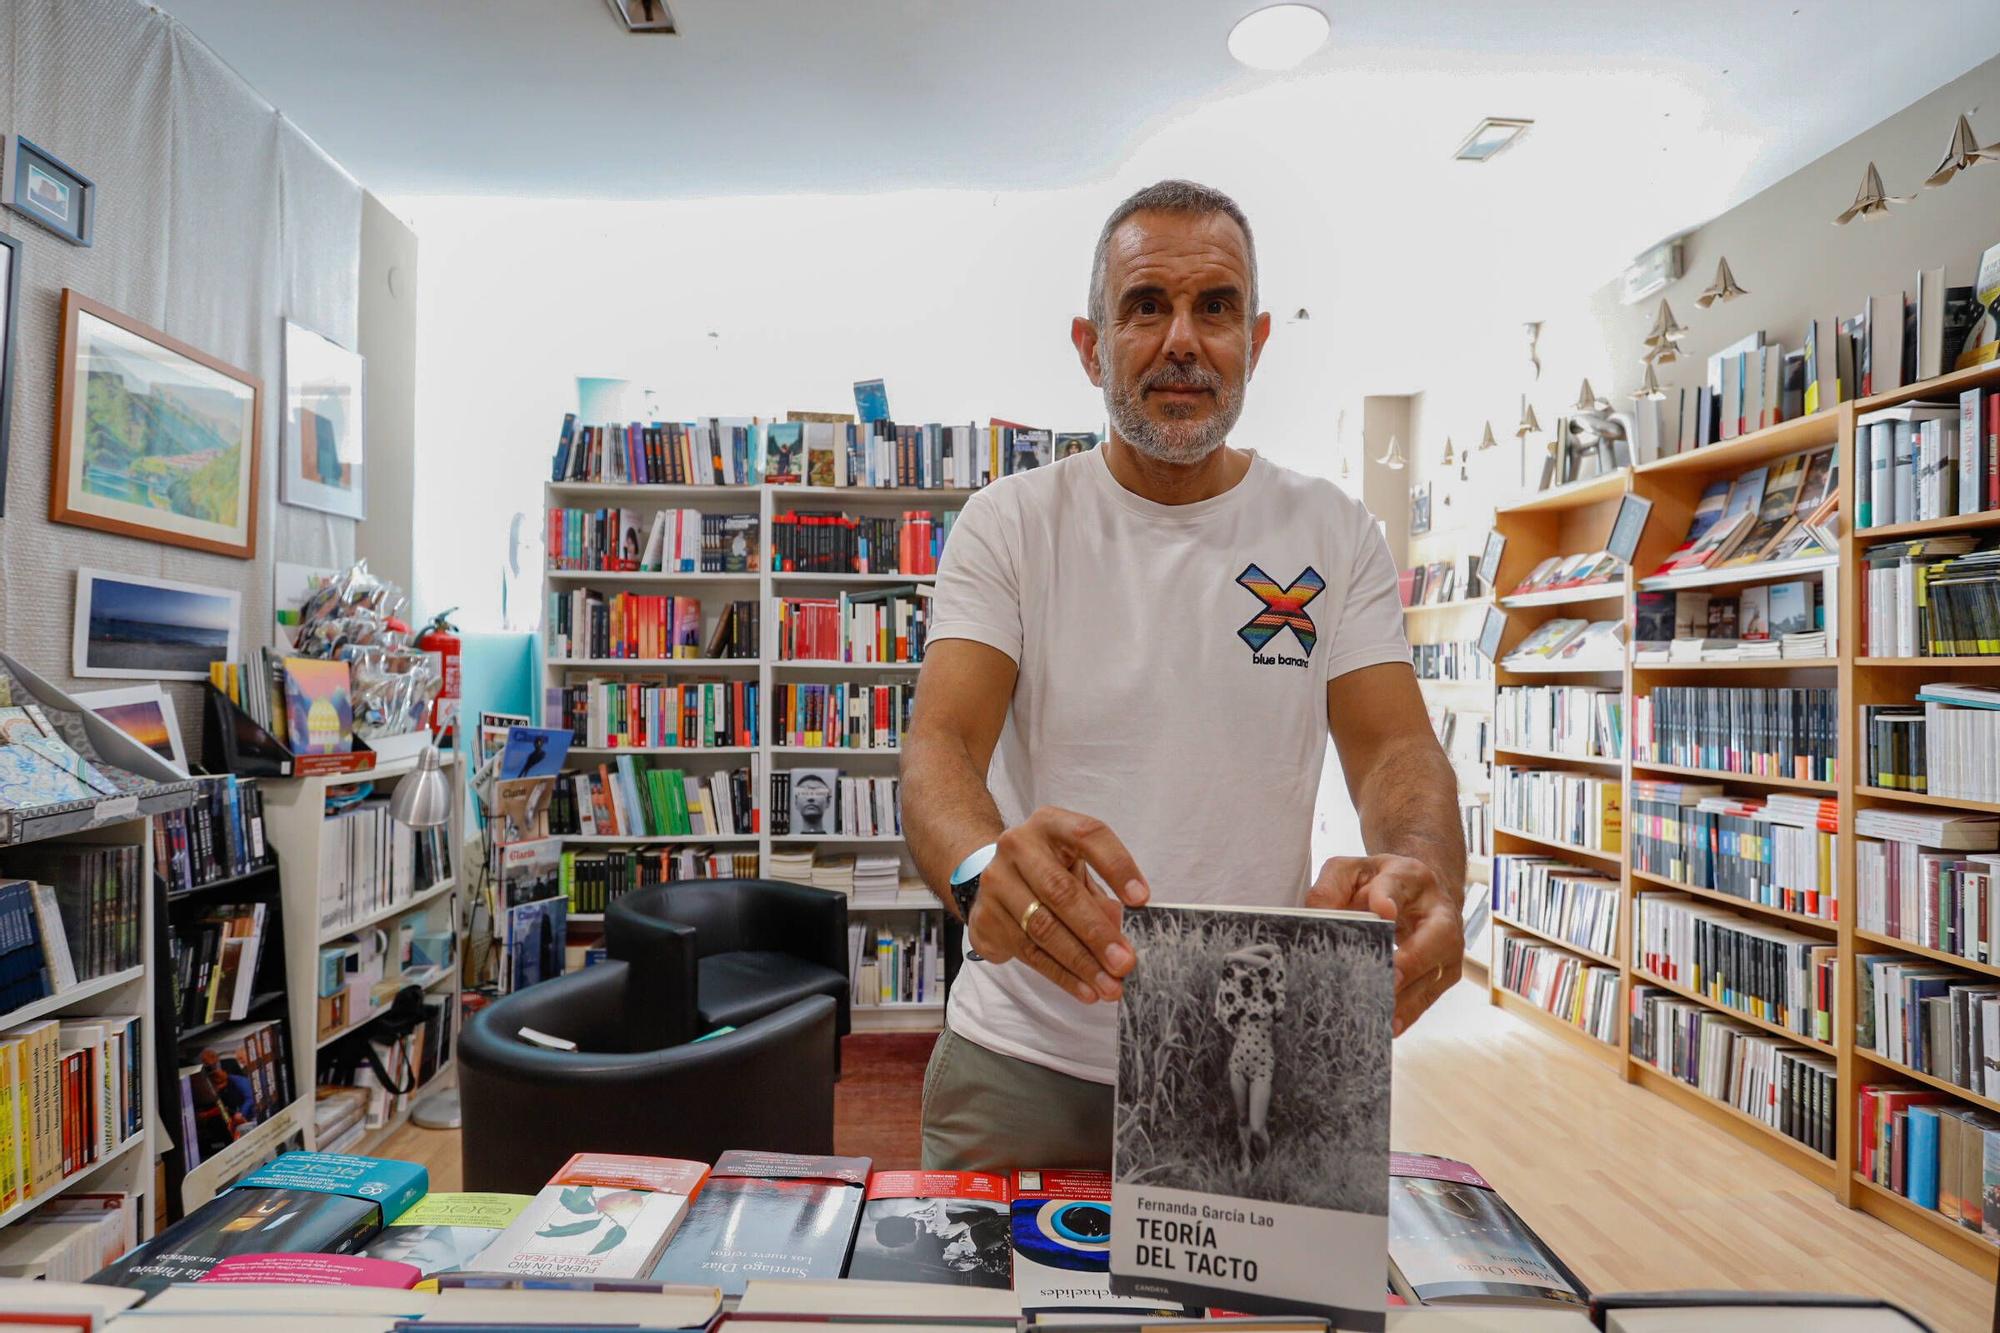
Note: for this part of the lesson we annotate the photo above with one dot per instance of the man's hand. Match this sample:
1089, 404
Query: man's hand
1430, 938
1036, 903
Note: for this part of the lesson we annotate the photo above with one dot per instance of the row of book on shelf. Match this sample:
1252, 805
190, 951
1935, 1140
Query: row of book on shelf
743, 451
1569, 904
1558, 573
1757, 731
227, 1082
632, 712
674, 541
1774, 974
824, 802
1576, 808
1583, 721
1927, 459
591, 879
1440, 581
584, 623
1945, 743
844, 715
72, 1092
1786, 510
1774, 850
69, 914
1931, 597
893, 960
220, 836
1580, 993
371, 863
1458, 660
1579, 645
809, 541
880, 625
1793, 1089
1763, 623
628, 798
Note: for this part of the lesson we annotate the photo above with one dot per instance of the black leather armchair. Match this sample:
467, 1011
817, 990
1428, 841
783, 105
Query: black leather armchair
724, 952
526, 1108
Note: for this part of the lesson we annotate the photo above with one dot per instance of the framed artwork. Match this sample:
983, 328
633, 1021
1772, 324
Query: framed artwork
10, 304
1420, 509
143, 712
322, 457
154, 438
132, 627
41, 187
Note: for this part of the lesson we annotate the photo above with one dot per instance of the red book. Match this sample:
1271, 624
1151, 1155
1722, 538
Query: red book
968, 1210
315, 1270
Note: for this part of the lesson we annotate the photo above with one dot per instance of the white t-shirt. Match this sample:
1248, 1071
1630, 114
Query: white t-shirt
1160, 691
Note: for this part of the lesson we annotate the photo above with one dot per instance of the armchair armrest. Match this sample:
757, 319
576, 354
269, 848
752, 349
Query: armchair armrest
660, 1000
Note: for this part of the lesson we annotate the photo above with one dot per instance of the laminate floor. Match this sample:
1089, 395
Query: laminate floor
1632, 1191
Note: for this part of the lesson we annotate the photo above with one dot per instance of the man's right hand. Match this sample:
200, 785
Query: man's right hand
1037, 905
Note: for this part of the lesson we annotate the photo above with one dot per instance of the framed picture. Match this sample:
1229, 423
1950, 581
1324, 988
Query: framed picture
136, 628
154, 438
1420, 509
322, 457
41, 187
10, 304
143, 712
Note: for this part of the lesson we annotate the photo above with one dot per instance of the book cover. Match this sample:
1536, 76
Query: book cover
784, 452
1453, 1240
533, 752
1250, 1160
534, 944
871, 400
27, 780
319, 711
1062, 1248
314, 1270
768, 1215
323, 1203
602, 1215
530, 872
948, 1227
444, 1233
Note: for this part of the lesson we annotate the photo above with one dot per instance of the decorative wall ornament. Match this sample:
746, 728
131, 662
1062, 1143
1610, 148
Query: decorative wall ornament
1392, 457
1588, 403
1666, 329
1528, 425
1649, 389
1534, 329
1871, 200
1723, 289
1449, 456
1964, 153
1486, 440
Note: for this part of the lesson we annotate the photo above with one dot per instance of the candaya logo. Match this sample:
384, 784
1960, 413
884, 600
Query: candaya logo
1284, 608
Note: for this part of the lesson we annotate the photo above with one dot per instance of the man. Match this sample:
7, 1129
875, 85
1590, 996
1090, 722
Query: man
1134, 661
812, 799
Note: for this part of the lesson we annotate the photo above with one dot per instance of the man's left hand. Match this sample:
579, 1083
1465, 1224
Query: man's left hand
1430, 938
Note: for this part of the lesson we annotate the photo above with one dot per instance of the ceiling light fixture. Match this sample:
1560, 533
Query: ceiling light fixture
1490, 138
1278, 36
644, 15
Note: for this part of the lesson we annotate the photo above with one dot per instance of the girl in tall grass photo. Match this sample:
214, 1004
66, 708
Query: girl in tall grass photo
1250, 999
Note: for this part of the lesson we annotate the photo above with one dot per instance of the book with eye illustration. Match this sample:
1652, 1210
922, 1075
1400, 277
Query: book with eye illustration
1250, 1149
1454, 1241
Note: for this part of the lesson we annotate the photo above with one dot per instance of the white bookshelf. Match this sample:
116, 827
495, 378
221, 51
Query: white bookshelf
295, 824
715, 592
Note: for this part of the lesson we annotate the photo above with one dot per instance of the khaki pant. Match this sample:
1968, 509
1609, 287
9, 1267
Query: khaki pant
984, 1111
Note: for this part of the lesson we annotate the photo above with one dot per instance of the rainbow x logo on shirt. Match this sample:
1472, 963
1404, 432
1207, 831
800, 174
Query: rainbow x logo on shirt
1284, 608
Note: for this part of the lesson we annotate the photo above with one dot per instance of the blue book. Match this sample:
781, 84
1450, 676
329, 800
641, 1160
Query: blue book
1921, 1175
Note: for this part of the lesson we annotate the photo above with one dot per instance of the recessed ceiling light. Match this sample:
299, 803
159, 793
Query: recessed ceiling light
1278, 36
644, 15
1493, 136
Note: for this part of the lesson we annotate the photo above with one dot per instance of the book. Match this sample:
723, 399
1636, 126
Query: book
314, 1270
947, 1227
1211, 1203
603, 1215
1454, 1241
319, 711
323, 1203
443, 1233
784, 452
767, 1215
1982, 339
1062, 1248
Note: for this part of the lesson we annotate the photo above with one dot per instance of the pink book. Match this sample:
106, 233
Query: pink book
318, 1270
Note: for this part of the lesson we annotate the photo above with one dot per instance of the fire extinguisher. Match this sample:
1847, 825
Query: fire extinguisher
440, 639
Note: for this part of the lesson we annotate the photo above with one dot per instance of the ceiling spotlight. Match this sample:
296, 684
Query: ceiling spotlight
643, 15
1392, 457
1278, 36
1490, 138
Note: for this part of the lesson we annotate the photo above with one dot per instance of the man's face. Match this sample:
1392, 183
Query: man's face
1180, 338
811, 798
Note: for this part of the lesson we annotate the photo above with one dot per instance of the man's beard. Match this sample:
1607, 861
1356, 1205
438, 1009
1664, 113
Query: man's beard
1181, 442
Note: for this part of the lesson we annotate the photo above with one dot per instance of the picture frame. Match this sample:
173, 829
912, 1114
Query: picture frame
110, 472
323, 460
49, 192
1420, 509
134, 627
143, 712
11, 254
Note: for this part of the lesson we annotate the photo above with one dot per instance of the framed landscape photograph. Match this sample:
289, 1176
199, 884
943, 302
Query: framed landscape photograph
321, 463
154, 438
137, 628
143, 712
10, 304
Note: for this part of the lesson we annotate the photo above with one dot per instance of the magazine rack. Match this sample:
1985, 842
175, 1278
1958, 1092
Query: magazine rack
233, 742
148, 784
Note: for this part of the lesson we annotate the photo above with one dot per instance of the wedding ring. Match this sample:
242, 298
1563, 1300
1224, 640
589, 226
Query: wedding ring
1029, 915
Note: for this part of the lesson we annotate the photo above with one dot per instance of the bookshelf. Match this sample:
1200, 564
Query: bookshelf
297, 828
1576, 518
904, 910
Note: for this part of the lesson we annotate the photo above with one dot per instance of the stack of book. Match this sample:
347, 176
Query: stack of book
679, 541
878, 881
1782, 511
633, 712
884, 625
1767, 972
1566, 902
1776, 851
1928, 459
1756, 731
1582, 994
1587, 721
1791, 1088
1928, 877
1575, 808
842, 715
818, 542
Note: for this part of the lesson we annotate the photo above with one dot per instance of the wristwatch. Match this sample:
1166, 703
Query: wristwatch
965, 888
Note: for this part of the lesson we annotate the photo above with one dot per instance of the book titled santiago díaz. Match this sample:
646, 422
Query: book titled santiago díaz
767, 1214
1250, 1158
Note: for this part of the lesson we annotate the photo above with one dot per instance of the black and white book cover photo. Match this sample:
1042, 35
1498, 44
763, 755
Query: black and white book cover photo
1251, 1142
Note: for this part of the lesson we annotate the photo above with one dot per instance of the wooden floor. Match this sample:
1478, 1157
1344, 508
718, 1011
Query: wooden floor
1632, 1191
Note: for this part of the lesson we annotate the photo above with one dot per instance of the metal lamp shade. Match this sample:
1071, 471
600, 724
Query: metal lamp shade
423, 798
